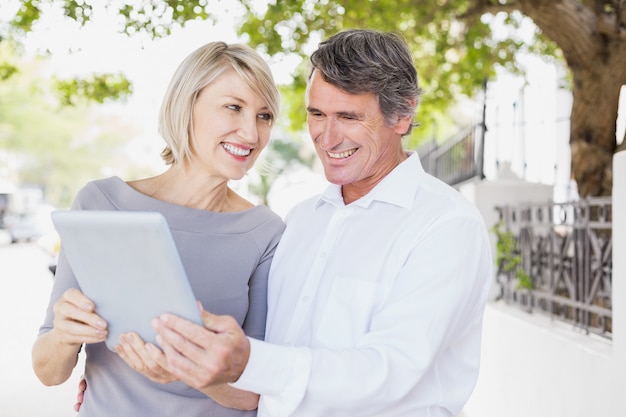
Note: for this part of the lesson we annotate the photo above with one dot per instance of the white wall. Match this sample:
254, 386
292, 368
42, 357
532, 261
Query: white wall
535, 367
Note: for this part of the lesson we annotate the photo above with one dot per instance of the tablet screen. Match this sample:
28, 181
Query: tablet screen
127, 263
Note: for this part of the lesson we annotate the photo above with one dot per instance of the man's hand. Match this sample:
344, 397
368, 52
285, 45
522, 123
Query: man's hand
202, 356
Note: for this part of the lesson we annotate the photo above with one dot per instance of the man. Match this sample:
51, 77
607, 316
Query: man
378, 286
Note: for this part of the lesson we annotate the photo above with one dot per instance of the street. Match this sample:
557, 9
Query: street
25, 284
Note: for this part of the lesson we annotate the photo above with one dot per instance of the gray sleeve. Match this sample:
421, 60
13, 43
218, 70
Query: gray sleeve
64, 278
254, 324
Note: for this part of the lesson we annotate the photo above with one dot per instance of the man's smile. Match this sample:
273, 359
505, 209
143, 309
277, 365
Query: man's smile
342, 155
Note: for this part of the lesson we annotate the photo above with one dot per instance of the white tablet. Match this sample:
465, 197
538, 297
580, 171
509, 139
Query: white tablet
127, 263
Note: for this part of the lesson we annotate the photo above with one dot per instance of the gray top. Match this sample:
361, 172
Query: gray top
227, 258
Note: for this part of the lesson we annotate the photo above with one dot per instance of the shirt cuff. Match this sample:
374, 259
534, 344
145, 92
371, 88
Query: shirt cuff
280, 374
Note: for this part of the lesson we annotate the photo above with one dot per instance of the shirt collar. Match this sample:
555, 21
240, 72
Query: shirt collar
398, 187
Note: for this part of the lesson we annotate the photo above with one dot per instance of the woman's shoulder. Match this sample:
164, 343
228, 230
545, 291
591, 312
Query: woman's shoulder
259, 223
263, 218
98, 193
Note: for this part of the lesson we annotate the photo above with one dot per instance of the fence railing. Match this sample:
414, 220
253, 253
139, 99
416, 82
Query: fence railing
562, 265
457, 160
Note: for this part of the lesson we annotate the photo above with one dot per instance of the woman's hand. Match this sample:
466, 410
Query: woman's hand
80, 396
55, 353
144, 358
75, 320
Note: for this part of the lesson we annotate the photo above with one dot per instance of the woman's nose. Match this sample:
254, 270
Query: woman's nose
248, 130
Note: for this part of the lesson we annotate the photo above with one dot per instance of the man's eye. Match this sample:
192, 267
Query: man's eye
234, 107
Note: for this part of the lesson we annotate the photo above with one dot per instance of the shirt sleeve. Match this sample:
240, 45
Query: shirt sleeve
279, 373
423, 340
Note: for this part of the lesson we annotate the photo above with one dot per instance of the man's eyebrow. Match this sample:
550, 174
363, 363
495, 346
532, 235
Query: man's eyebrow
349, 114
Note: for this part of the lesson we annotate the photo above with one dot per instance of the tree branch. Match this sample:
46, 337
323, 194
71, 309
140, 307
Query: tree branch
480, 7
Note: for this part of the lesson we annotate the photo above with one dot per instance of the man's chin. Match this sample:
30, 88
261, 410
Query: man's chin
336, 179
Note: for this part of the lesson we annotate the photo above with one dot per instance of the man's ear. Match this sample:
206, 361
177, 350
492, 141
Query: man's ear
402, 125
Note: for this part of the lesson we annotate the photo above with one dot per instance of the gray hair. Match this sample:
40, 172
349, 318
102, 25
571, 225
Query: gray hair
360, 61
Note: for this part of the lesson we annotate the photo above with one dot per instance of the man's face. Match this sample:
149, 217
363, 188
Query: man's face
356, 147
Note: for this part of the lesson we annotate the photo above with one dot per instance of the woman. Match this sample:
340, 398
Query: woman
215, 118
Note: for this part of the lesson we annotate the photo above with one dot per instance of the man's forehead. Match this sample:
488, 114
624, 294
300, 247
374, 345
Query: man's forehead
321, 95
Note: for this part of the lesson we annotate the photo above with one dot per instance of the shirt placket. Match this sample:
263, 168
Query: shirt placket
309, 289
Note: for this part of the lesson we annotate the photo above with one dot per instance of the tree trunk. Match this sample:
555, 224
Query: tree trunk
594, 47
593, 127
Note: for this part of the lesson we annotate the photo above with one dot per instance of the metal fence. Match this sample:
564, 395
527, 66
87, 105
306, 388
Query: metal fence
560, 262
457, 160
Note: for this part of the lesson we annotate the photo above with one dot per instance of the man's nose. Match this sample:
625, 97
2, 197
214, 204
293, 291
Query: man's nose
328, 137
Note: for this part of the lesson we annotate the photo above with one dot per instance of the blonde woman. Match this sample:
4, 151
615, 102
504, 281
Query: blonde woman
216, 118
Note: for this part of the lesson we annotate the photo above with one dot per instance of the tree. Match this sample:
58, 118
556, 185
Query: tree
53, 146
73, 94
98, 88
456, 49
454, 44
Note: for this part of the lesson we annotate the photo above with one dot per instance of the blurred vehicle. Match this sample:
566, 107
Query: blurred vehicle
51, 244
29, 226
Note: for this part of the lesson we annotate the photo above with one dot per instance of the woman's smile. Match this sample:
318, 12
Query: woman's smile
236, 150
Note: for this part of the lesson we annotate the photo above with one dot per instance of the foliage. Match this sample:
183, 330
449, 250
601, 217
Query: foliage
457, 45
96, 87
454, 56
508, 257
53, 146
153, 17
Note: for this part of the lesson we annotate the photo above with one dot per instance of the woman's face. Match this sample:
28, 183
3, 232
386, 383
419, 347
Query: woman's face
231, 126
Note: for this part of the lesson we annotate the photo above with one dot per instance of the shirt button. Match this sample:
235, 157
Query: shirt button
323, 255
305, 299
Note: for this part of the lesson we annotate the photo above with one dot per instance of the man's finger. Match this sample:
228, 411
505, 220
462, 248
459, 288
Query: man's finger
182, 334
219, 324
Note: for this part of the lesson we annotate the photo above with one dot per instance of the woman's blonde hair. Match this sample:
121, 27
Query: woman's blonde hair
198, 70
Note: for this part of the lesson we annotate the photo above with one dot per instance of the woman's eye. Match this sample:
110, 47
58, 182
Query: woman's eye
266, 116
234, 107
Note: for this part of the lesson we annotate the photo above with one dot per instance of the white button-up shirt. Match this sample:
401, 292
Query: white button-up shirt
375, 308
